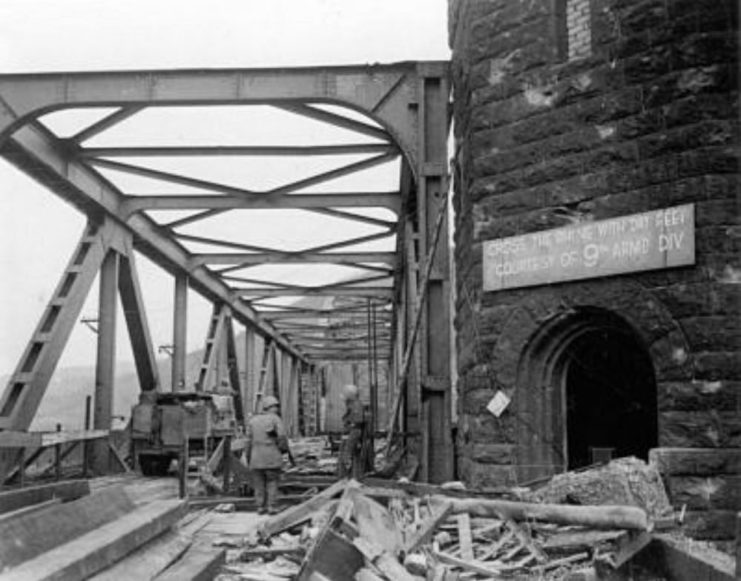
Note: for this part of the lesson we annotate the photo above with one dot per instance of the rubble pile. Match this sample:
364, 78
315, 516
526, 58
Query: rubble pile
313, 455
386, 530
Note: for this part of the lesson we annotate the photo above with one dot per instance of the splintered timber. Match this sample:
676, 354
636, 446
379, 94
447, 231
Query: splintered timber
658, 239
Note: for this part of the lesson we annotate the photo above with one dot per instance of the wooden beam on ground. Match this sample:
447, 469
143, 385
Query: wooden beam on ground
425, 489
26, 537
244, 504
298, 514
153, 558
69, 490
201, 562
90, 553
473, 565
600, 517
272, 552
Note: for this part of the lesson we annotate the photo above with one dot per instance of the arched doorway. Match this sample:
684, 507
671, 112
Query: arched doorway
587, 392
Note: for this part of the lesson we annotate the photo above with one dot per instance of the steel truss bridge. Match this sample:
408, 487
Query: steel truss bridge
400, 115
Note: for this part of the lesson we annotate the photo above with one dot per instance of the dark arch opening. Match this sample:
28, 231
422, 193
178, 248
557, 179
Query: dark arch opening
588, 393
610, 395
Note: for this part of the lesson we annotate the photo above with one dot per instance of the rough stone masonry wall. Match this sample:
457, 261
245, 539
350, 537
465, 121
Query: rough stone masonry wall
646, 118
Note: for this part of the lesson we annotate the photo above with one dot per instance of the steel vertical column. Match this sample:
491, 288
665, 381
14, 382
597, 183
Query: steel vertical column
437, 446
105, 368
179, 332
136, 321
251, 370
412, 421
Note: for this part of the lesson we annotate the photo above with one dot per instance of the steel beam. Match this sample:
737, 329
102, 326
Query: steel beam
224, 151
386, 93
105, 367
215, 341
180, 332
246, 259
437, 458
30, 379
334, 173
320, 292
251, 369
106, 123
232, 365
136, 322
309, 314
35, 152
170, 177
390, 200
336, 120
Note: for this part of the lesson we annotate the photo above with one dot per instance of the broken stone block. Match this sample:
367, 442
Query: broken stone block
625, 481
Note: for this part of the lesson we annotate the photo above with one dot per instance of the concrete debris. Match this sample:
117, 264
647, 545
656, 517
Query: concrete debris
625, 481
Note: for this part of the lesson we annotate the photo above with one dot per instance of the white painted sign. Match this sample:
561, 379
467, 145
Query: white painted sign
652, 240
498, 403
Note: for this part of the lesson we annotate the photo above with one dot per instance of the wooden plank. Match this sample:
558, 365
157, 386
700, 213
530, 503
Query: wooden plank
150, 560
54, 438
272, 552
527, 541
90, 553
18, 498
382, 560
242, 503
439, 513
424, 489
19, 439
201, 562
600, 517
300, 513
574, 539
464, 536
469, 565
375, 522
25, 537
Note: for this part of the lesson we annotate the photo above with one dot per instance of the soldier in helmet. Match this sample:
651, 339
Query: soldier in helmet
266, 444
356, 450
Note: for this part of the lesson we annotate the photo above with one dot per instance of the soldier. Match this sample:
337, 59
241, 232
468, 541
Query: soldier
266, 444
356, 450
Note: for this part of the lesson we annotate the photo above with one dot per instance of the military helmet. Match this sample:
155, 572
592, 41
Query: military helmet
270, 401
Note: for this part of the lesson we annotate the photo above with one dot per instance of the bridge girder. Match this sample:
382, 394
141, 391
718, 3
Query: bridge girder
408, 105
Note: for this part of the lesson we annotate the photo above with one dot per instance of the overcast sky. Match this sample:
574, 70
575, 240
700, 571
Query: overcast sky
39, 231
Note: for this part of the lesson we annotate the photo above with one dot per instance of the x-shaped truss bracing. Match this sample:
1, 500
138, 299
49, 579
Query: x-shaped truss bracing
403, 123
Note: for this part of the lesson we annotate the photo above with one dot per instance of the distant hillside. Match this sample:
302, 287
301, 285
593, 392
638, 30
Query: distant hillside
64, 400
